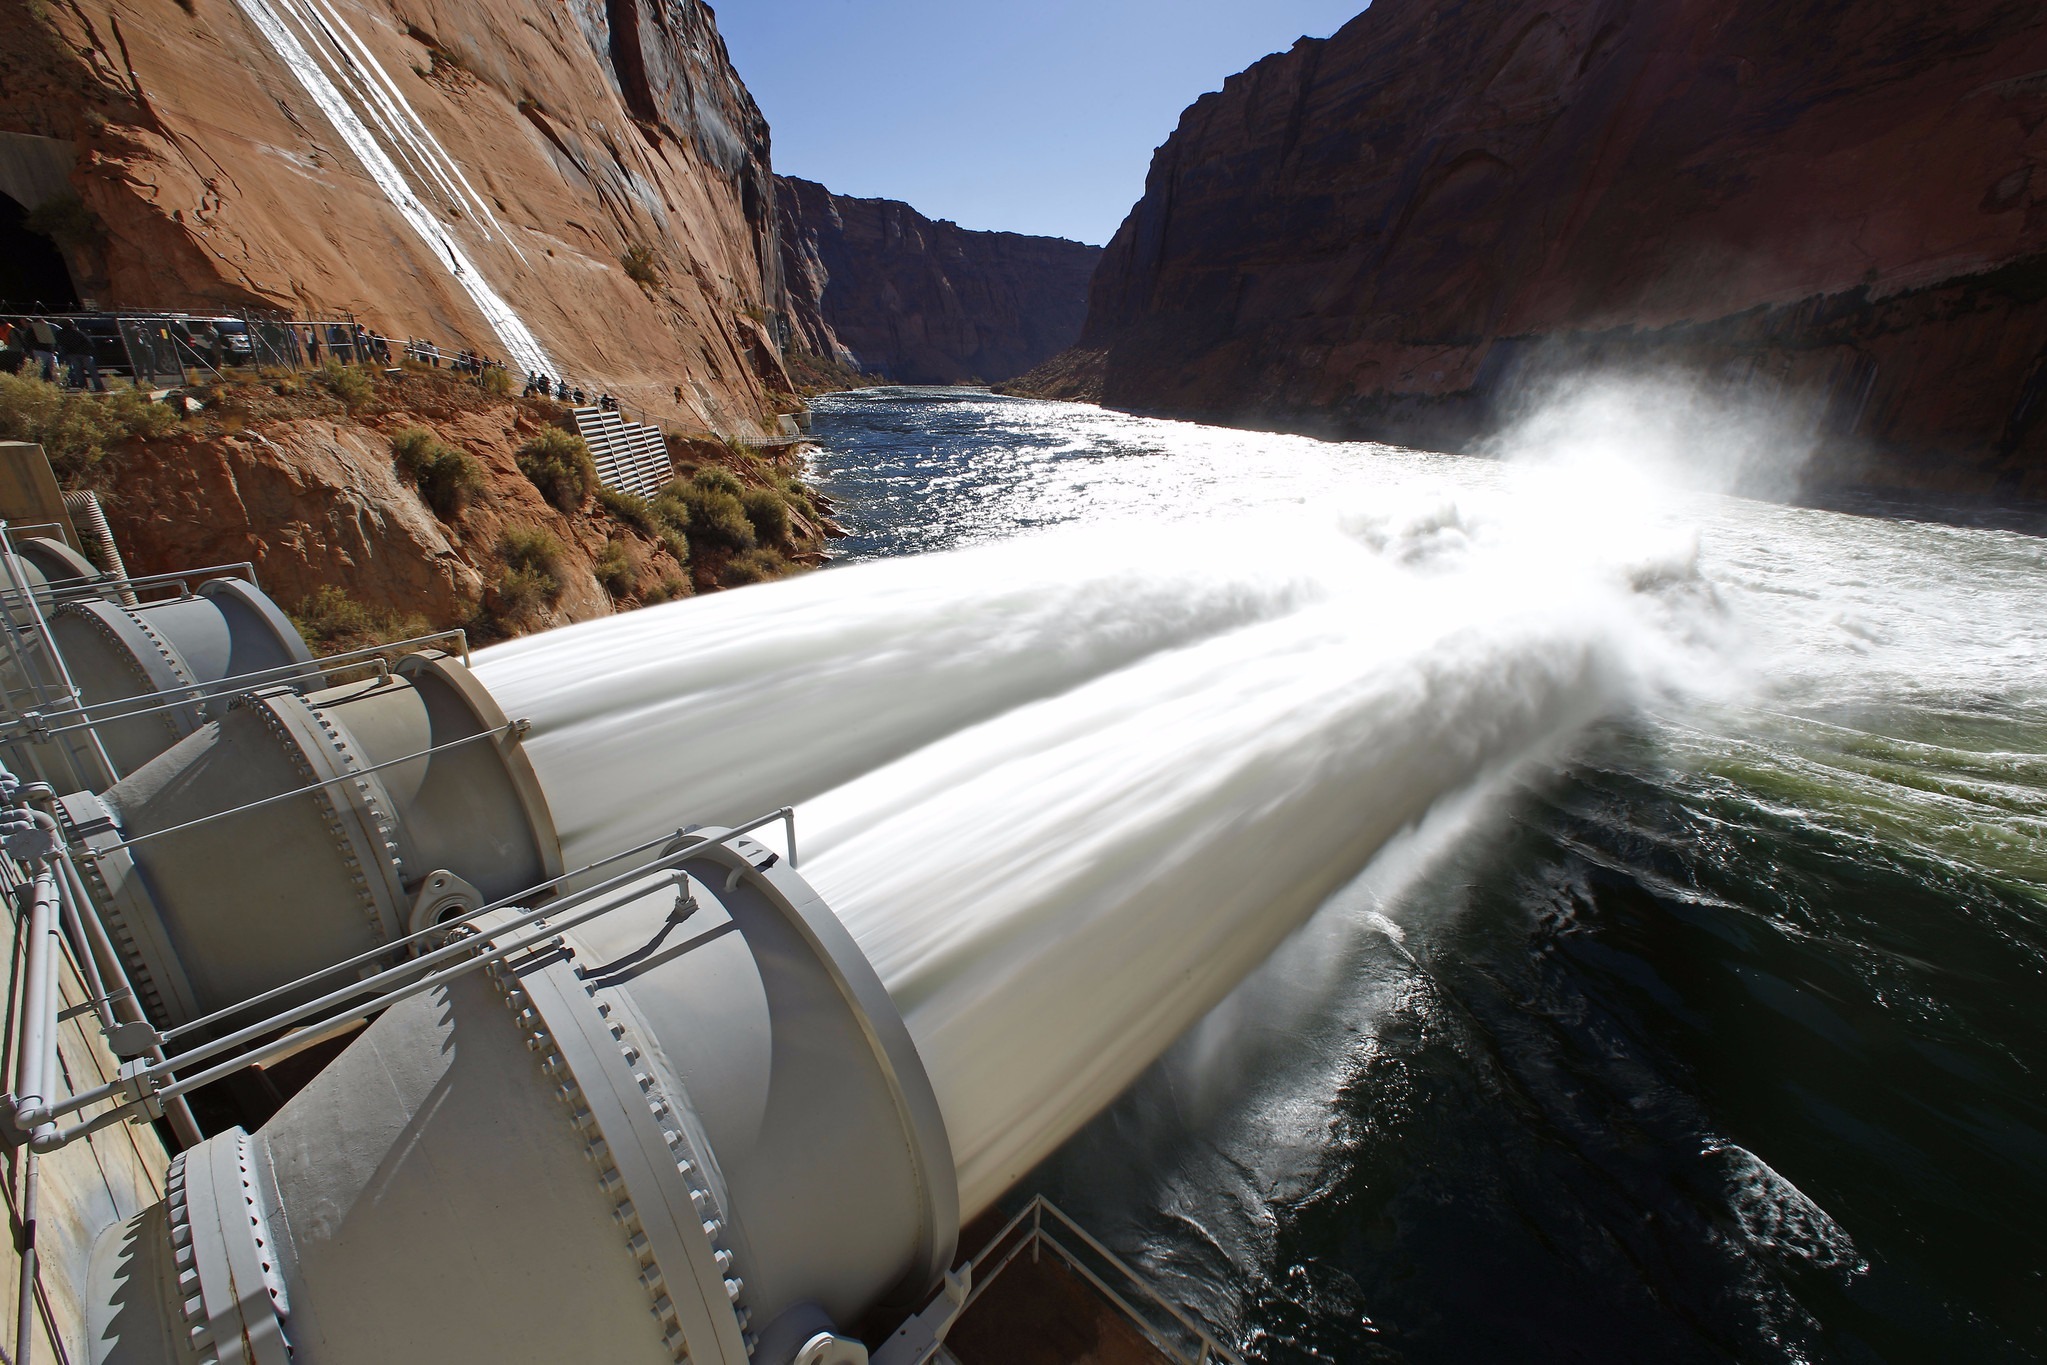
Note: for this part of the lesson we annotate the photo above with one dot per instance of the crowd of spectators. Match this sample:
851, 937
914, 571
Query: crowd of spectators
63, 350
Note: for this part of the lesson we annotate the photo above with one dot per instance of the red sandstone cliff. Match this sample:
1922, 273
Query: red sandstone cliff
542, 143
875, 285
1380, 233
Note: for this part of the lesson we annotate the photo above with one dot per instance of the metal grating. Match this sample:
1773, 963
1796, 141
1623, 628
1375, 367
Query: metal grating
631, 457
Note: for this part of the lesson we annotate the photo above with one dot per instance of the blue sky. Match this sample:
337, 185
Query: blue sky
1029, 116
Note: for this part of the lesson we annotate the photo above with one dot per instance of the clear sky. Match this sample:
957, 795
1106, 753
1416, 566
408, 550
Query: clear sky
1032, 116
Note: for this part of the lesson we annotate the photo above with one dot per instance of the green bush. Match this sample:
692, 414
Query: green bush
754, 566
717, 519
532, 573
560, 466
332, 622
614, 569
677, 544
668, 589
671, 507
497, 382
77, 430
629, 509
798, 495
351, 385
768, 513
522, 590
447, 478
716, 480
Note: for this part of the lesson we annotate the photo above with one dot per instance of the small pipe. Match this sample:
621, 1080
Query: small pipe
25, 1302
100, 947
38, 1038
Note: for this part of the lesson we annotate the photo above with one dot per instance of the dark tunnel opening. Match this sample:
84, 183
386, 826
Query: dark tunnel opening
33, 275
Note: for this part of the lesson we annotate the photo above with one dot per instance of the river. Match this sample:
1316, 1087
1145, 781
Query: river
1713, 1030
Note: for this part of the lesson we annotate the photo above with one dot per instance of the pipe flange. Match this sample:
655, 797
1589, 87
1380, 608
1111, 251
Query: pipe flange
452, 675
787, 895
359, 822
650, 1169
114, 886
152, 659
229, 1291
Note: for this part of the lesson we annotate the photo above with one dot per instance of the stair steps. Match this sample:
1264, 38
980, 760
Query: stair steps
631, 457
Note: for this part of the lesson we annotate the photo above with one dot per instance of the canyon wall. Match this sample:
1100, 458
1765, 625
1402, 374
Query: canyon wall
1394, 231
581, 186
876, 286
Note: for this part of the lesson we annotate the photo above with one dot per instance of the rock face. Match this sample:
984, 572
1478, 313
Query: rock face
876, 286
470, 172
1386, 232
306, 490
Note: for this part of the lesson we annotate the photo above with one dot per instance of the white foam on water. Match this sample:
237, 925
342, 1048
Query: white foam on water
1054, 896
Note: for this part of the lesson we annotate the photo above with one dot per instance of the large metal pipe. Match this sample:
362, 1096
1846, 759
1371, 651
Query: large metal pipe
114, 657
119, 653
293, 831
693, 1127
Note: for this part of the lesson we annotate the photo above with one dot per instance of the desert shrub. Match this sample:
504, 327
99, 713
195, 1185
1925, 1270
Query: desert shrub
671, 507
346, 382
77, 430
677, 544
797, 494
716, 480
332, 622
754, 566
614, 568
531, 578
717, 518
668, 589
497, 382
447, 478
768, 513
560, 466
629, 509
530, 547
641, 266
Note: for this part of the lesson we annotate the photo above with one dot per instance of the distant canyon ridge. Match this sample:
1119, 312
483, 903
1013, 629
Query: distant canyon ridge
1395, 232
879, 288
1391, 233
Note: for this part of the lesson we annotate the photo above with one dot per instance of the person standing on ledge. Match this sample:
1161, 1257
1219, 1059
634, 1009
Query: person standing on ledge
81, 366
43, 348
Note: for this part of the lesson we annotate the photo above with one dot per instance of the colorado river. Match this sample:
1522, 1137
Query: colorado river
1711, 1030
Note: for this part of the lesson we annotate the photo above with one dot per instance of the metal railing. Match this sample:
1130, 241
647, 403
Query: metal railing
144, 1087
1039, 1226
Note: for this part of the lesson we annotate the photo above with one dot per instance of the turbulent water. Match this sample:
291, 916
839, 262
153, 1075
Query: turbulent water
1715, 1030
1648, 883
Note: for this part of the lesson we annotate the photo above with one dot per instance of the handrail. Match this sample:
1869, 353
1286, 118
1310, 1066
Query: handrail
1035, 1213
187, 694
158, 1081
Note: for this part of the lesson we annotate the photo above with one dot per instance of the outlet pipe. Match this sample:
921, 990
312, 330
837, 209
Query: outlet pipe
293, 831
690, 1127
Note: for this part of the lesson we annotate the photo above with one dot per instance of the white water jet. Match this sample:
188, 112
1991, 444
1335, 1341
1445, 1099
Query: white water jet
721, 708
1053, 897
521, 346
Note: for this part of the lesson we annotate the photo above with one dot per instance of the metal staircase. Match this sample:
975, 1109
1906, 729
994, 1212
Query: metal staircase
631, 457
